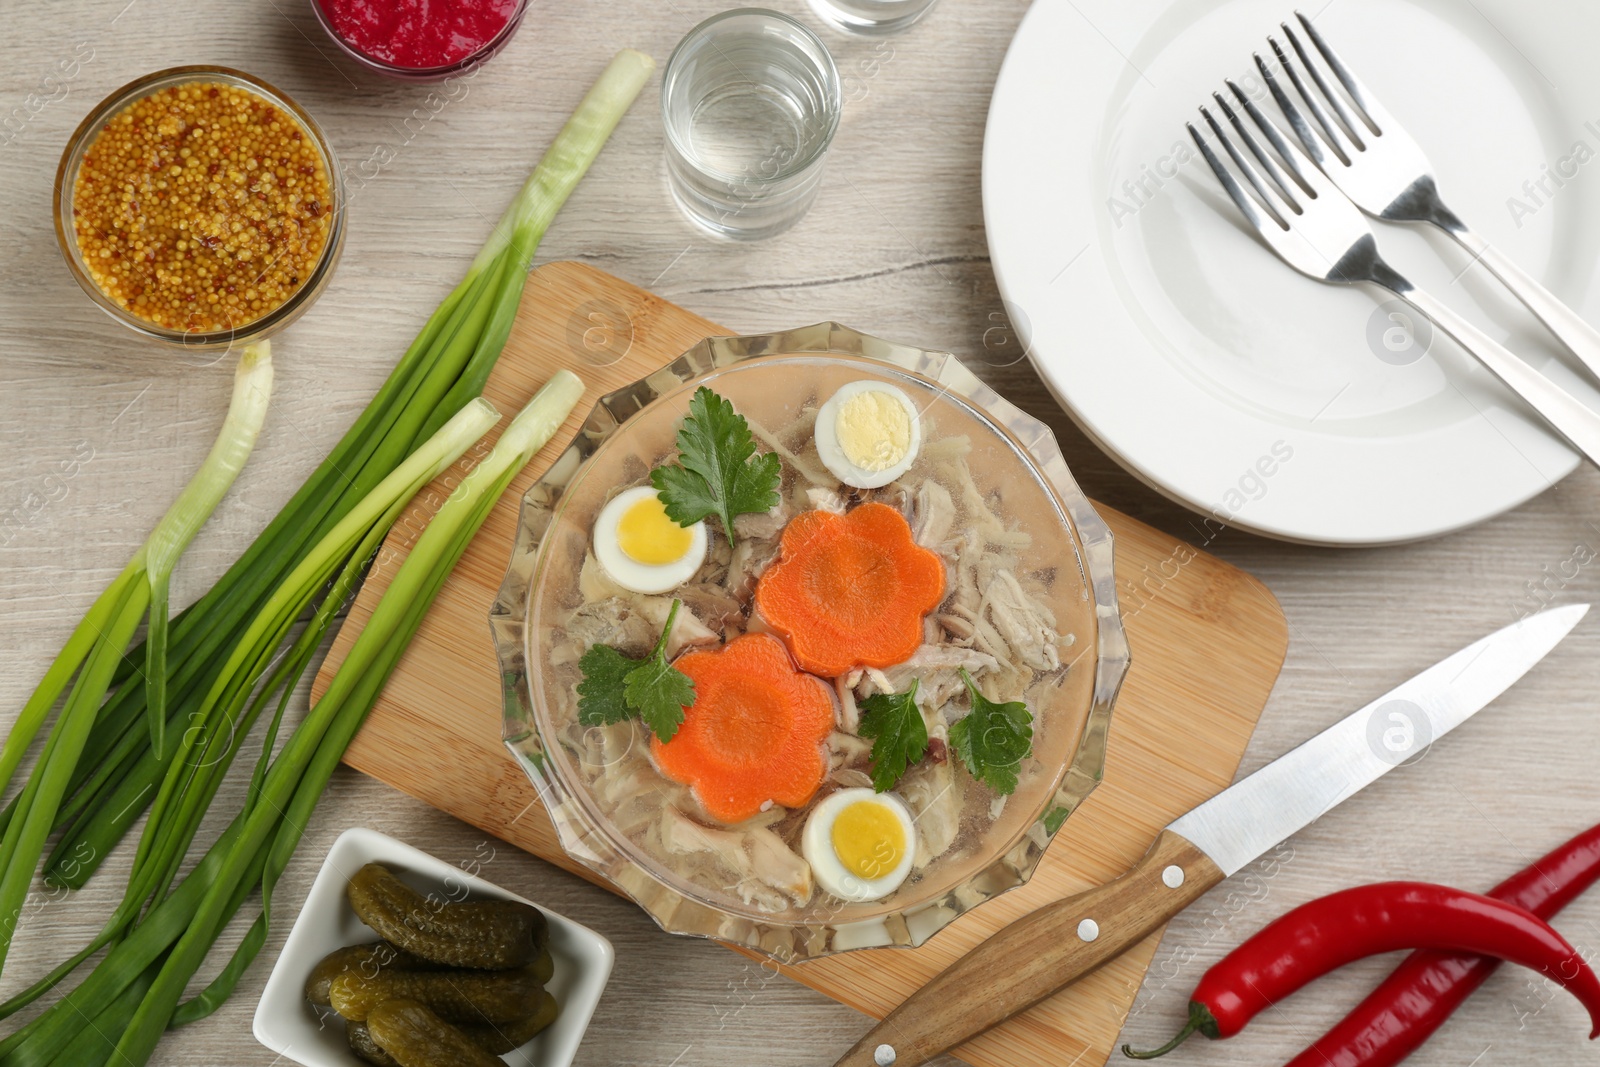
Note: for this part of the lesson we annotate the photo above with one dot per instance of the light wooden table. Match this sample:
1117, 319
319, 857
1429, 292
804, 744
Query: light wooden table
894, 246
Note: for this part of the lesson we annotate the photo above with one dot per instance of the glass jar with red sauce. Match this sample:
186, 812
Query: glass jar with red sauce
420, 40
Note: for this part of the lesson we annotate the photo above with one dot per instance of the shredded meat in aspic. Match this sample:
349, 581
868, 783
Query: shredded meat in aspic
995, 621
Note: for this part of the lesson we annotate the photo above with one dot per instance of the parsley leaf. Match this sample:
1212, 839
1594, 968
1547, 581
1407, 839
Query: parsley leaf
615, 687
898, 733
601, 701
660, 692
993, 739
718, 471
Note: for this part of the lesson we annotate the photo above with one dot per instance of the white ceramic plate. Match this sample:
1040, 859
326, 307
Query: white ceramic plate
287, 1024
1211, 370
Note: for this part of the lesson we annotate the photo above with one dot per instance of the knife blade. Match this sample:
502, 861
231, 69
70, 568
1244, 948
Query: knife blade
1243, 821
1059, 943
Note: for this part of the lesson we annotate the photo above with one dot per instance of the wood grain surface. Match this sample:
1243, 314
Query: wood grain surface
1206, 653
98, 432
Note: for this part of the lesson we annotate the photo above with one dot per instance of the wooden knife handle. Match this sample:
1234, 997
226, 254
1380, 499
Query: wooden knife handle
1038, 954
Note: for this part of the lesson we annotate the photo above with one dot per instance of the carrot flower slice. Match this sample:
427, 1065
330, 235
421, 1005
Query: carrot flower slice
850, 590
754, 733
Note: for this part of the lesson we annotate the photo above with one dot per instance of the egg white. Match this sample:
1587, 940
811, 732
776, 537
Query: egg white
816, 844
630, 573
832, 453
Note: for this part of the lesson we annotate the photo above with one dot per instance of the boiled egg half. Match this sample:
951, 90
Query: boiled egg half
859, 843
641, 548
868, 434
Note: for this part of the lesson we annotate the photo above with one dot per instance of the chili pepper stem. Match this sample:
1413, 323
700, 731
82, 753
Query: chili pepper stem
1201, 1021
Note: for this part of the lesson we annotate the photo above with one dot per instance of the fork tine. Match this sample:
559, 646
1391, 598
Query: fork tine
1377, 119
1272, 134
1351, 129
1331, 135
1316, 183
1271, 167
1241, 199
1297, 120
1281, 207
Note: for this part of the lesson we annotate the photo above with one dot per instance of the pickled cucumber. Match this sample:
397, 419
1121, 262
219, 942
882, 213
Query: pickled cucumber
495, 1038
458, 996
486, 934
416, 1037
363, 959
543, 968
362, 1044
501, 1038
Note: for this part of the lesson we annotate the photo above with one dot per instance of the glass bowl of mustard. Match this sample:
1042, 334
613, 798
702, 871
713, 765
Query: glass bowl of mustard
200, 206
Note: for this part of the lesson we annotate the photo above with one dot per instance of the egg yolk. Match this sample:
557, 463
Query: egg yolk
874, 430
646, 535
868, 839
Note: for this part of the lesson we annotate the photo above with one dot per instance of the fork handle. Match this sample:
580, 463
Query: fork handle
1570, 417
1561, 320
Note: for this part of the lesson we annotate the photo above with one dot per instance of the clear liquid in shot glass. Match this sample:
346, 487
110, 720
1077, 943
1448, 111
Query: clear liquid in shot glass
750, 100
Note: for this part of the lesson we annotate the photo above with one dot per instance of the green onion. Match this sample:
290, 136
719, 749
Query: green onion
518, 233
301, 771
252, 388
217, 720
528, 433
193, 776
40, 1042
94, 650
444, 368
223, 660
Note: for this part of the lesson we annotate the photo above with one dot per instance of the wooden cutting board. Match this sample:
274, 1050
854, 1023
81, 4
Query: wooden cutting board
1208, 642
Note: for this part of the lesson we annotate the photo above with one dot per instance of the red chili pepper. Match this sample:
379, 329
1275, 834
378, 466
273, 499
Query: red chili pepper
1326, 934
1414, 1001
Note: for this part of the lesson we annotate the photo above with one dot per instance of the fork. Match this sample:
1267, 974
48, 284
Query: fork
1378, 165
1312, 226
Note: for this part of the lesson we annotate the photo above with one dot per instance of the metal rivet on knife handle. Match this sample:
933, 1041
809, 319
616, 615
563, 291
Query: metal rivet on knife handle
883, 1055
1172, 877
1088, 930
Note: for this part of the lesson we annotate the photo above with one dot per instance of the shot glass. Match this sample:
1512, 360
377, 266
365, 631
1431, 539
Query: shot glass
750, 100
877, 18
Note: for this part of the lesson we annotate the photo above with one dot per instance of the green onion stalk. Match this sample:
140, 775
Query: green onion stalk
193, 776
206, 750
215, 653
241, 426
134, 993
95, 647
222, 661
435, 555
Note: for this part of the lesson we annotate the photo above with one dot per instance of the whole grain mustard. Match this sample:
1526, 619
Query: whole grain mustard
202, 207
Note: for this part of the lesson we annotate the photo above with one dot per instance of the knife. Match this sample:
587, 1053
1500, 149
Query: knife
1057, 944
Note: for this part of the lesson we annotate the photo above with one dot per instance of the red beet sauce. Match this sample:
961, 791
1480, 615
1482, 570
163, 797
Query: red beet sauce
418, 34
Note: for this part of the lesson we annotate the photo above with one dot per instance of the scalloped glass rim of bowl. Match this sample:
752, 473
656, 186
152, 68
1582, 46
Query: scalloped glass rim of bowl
87, 132
682, 907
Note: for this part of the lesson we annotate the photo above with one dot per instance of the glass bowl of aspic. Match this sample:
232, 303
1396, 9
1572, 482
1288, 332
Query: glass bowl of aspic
810, 642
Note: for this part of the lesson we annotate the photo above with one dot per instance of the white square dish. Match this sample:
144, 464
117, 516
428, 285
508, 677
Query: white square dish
287, 1024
